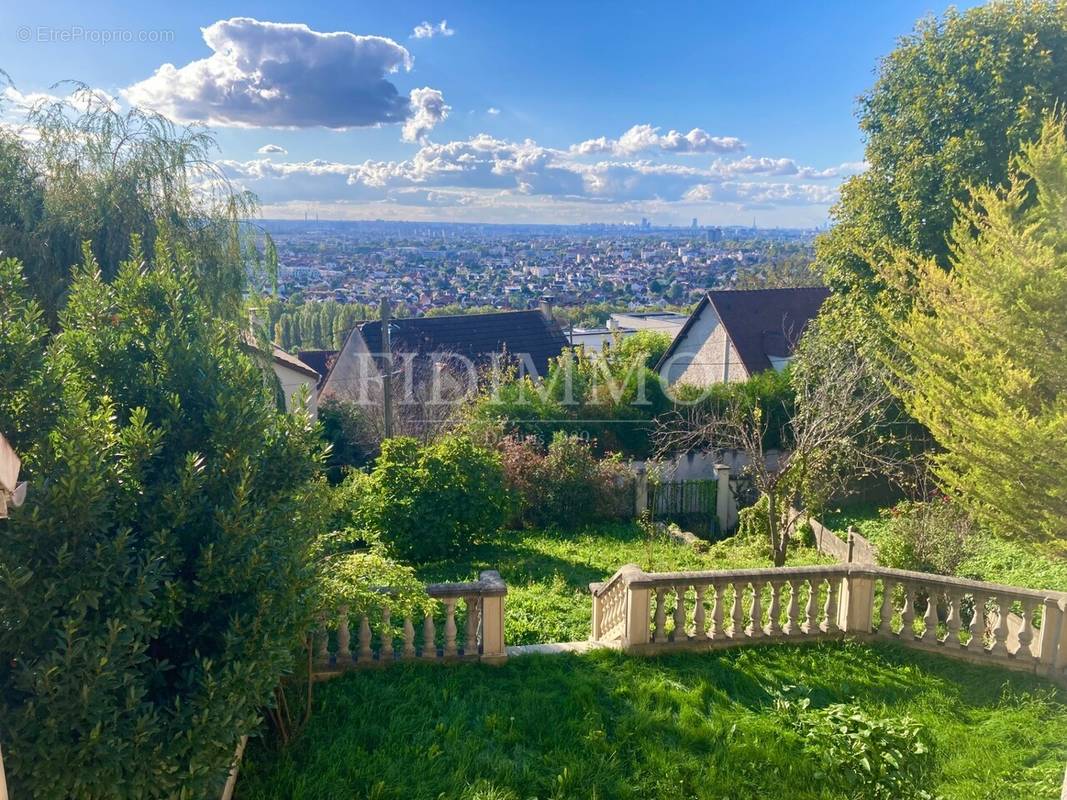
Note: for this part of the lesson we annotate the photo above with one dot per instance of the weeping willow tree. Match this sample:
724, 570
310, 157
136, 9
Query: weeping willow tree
81, 170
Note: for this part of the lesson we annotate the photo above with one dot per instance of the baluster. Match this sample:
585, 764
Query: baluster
471, 646
929, 634
450, 627
365, 653
409, 638
977, 628
1000, 634
811, 610
322, 643
344, 655
907, 614
700, 628
830, 625
737, 615
885, 621
429, 637
385, 651
1026, 632
792, 614
660, 635
716, 616
774, 623
679, 634
755, 611
953, 618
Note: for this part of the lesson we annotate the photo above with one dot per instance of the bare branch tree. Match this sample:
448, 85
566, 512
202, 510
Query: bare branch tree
845, 426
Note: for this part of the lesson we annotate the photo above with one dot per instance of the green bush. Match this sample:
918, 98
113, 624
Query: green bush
566, 485
155, 581
860, 755
934, 536
426, 502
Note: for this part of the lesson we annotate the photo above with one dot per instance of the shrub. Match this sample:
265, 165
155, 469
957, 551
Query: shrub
425, 502
565, 486
860, 755
934, 536
345, 430
156, 579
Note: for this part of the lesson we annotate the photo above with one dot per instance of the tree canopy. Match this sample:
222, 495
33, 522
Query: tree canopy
983, 349
951, 104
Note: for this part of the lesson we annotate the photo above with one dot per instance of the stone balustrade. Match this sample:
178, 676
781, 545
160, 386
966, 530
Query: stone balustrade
477, 607
983, 622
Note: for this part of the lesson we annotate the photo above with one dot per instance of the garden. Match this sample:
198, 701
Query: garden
804, 722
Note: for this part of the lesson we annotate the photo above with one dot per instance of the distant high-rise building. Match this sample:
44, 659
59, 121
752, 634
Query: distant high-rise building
694, 225
645, 223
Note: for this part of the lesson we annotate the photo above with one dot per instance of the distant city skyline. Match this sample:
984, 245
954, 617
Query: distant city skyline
499, 113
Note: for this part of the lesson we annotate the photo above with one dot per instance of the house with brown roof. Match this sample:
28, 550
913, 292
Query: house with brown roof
734, 334
424, 347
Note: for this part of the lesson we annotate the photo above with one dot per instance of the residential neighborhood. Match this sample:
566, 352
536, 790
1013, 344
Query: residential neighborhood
481, 401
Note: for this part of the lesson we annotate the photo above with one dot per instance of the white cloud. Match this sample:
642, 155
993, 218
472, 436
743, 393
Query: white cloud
646, 138
492, 111
268, 149
486, 171
269, 74
429, 108
427, 30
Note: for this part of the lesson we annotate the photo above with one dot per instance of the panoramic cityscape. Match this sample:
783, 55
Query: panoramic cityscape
533, 401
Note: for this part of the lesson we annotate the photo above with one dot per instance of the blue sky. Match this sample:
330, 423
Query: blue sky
499, 111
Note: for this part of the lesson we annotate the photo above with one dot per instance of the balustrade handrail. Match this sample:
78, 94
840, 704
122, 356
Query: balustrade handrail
639, 579
489, 584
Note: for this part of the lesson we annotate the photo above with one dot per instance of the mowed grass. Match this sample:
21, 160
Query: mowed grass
548, 572
698, 725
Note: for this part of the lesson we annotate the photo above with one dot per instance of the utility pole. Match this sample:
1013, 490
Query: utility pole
387, 370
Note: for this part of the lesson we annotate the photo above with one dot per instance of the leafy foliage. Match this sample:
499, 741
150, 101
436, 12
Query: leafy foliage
609, 401
951, 105
984, 347
860, 755
92, 173
428, 501
564, 485
155, 581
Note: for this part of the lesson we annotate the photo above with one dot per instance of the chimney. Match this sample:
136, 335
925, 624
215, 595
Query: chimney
546, 306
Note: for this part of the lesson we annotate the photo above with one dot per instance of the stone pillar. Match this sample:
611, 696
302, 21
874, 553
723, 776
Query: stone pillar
725, 511
494, 648
856, 608
635, 631
640, 489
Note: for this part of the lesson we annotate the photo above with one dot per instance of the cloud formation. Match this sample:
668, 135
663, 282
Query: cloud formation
484, 171
268, 149
646, 138
269, 74
428, 108
427, 30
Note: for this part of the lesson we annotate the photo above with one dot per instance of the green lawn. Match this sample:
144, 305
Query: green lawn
548, 572
993, 559
702, 725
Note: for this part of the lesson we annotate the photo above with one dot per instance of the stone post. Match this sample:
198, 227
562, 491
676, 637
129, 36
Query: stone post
725, 512
494, 648
640, 489
1053, 655
856, 608
636, 630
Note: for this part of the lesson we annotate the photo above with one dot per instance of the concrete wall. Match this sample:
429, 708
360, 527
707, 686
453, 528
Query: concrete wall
292, 381
706, 355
